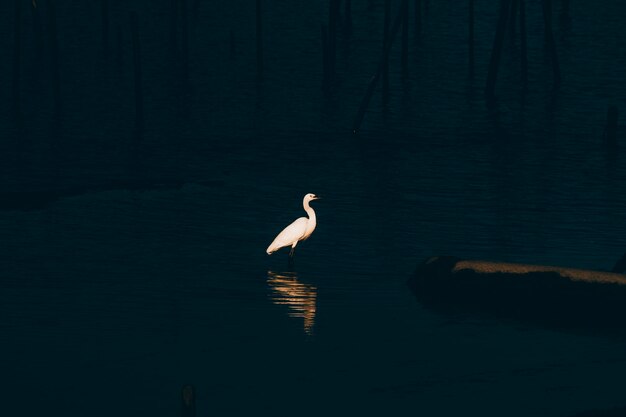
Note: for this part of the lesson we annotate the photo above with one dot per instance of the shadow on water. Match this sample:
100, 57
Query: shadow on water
27, 200
300, 298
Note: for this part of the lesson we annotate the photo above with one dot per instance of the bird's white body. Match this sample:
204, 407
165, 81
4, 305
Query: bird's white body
299, 230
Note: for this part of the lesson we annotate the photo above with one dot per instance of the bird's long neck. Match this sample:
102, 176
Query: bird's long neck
312, 219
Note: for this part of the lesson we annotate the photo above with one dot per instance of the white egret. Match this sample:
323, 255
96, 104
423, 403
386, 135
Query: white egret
299, 230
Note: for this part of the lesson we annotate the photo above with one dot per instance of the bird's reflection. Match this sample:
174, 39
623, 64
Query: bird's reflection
285, 289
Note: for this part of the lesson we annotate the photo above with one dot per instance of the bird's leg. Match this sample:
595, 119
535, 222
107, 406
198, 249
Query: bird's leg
290, 260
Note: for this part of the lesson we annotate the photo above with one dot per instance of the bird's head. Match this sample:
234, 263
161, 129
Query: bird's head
310, 197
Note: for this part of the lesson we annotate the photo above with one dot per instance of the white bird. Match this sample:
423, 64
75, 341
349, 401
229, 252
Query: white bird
299, 230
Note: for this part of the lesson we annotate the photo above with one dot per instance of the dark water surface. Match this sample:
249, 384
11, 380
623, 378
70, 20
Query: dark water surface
134, 264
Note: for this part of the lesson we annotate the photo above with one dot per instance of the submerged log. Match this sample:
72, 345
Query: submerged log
564, 297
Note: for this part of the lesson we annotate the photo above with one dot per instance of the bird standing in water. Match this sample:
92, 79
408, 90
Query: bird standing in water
299, 230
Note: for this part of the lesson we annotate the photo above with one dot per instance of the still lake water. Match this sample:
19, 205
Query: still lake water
133, 265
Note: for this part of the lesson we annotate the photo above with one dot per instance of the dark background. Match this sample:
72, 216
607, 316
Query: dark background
132, 254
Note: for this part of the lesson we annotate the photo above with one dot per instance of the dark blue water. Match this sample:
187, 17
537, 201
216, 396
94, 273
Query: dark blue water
134, 263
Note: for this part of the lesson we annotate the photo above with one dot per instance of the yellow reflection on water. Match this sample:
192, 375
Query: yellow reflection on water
300, 298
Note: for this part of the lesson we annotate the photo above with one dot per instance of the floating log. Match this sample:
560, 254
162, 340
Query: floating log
549, 295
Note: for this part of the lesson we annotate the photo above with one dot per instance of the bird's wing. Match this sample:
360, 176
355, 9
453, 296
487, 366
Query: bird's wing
289, 235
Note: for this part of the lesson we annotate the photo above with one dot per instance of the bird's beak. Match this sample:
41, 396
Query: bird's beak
317, 197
